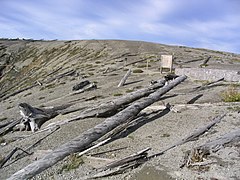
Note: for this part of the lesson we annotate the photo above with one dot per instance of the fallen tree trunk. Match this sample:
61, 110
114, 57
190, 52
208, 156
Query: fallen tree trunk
109, 108
81, 142
197, 154
192, 136
198, 88
119, 166
124, 79
218, 143
9, 127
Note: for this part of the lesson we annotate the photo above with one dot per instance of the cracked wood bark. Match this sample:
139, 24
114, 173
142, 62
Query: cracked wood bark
197, 154
218, 143
9, 127
121, 165
198, 88
110, 108
81, 142
124, 79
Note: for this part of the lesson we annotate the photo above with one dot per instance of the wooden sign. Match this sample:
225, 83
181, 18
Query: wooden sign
166, 62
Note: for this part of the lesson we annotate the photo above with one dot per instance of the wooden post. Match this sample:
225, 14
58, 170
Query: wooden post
81, 142
124, 79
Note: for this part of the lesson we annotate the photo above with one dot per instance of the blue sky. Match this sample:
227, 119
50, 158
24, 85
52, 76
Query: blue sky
213, 24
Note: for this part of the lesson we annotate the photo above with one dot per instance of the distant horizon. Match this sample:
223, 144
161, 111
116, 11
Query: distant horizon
30, 39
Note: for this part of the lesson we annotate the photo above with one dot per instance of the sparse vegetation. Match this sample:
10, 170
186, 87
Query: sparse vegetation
9, 107
49, 86
129, 90
3, 118
73, 162
165, 135
27, 94
137, 71
231, 94
117, 94
143, 65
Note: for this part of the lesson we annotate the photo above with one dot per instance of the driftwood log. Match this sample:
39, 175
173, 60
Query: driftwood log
80, 85
9, 127
124, 79
119, 166
208, 85
35, 117
193, 136
25, 151
109, 108
197, 154
86, 138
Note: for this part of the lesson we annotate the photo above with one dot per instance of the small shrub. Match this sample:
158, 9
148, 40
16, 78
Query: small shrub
137, 71
73, 162
165, 135
129, 90
9, 107
98, 62
117, 94
3, 118
2, 140
231, 95
143, 65
27, 94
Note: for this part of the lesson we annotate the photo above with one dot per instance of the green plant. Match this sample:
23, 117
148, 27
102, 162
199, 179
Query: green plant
27, 94
137, 71
165, 135
3, 118
2, 140
129, 90
9, 107
143, 65
231, 94
73, 162
117, 94
131, 137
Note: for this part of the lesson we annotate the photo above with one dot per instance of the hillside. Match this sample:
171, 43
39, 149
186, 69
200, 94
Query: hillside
43, 73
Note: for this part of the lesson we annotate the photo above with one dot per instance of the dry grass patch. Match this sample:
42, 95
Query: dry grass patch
137, 71
232, 94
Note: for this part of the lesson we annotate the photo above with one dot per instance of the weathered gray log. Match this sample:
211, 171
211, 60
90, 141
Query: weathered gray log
205, 62
81, 142
26, 151
109, 108
5, 159
9, 127
124, 79
37, 116
121, 165
218, 143
5, 122
127, 159
198, 88
19, 91
192, 136
80, 85
90, 87
192, 60
197, 154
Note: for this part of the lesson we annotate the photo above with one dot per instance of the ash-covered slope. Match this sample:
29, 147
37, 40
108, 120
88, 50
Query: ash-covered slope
25, 62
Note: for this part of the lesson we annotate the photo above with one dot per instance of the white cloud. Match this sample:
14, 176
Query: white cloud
151, 19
